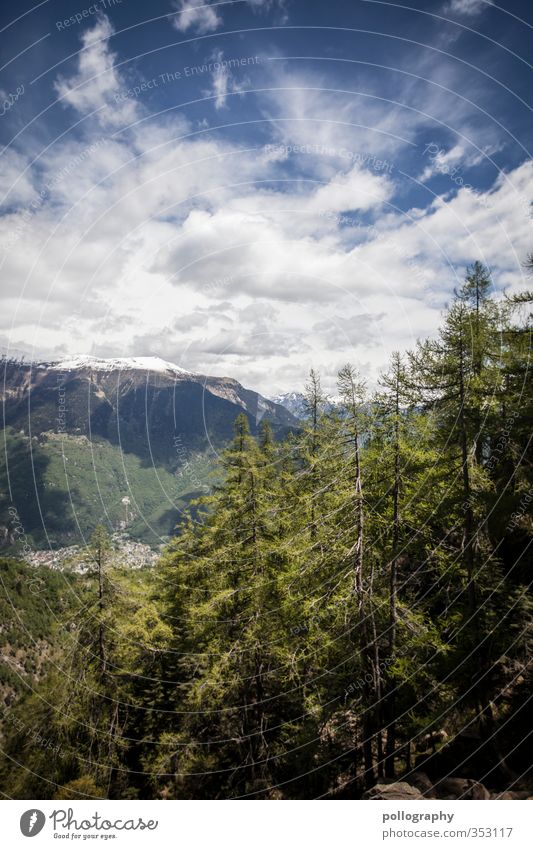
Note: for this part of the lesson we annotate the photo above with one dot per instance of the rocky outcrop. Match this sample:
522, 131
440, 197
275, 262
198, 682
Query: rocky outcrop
461, 788
395, 790
418, 785
507, 795
423, 783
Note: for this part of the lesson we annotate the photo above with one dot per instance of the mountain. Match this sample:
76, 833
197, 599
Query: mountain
126, 441
294, 402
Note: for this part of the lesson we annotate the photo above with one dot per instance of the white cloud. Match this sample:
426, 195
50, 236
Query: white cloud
363, 118
349, 190
224, 81
454, 160
290, 281
196, 15
470, 8
92, 87
16, 183
205, 16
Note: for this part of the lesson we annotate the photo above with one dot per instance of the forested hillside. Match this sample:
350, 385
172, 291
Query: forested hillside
348, 606
32, 602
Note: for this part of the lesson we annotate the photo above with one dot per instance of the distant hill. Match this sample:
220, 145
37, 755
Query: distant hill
127, 441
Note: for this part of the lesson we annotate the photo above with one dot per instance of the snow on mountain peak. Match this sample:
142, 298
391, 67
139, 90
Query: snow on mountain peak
151, 364
294, 402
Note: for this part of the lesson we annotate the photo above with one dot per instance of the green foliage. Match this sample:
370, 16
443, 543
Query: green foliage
33, 605
78, 483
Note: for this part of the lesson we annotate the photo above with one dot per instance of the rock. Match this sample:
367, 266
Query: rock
422, 782
461, 788
395, 790
507, 794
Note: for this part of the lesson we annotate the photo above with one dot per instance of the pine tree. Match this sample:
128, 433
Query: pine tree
238, 692
393, 409
352, 393
99, 552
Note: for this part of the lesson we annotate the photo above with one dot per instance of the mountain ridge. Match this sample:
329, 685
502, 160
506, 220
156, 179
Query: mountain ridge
79, 361
83, 434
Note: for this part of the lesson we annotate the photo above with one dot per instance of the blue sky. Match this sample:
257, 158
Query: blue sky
251, 188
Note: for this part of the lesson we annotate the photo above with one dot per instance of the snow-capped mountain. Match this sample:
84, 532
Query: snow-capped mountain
294, 402
85, 361
84, 433
119, 378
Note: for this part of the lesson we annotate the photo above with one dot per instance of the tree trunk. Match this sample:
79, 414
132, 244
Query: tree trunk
391, 707
468, 540
367, 644
101, 638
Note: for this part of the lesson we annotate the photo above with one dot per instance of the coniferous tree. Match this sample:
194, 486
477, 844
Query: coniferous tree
239, 699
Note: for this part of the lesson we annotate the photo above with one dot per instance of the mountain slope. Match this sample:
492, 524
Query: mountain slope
33, 601
124, 441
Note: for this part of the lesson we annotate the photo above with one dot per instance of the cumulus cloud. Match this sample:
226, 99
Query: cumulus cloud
350, 332
16, 179
353, 189
220, 288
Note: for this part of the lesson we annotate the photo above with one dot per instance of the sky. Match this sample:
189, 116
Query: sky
258, 187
